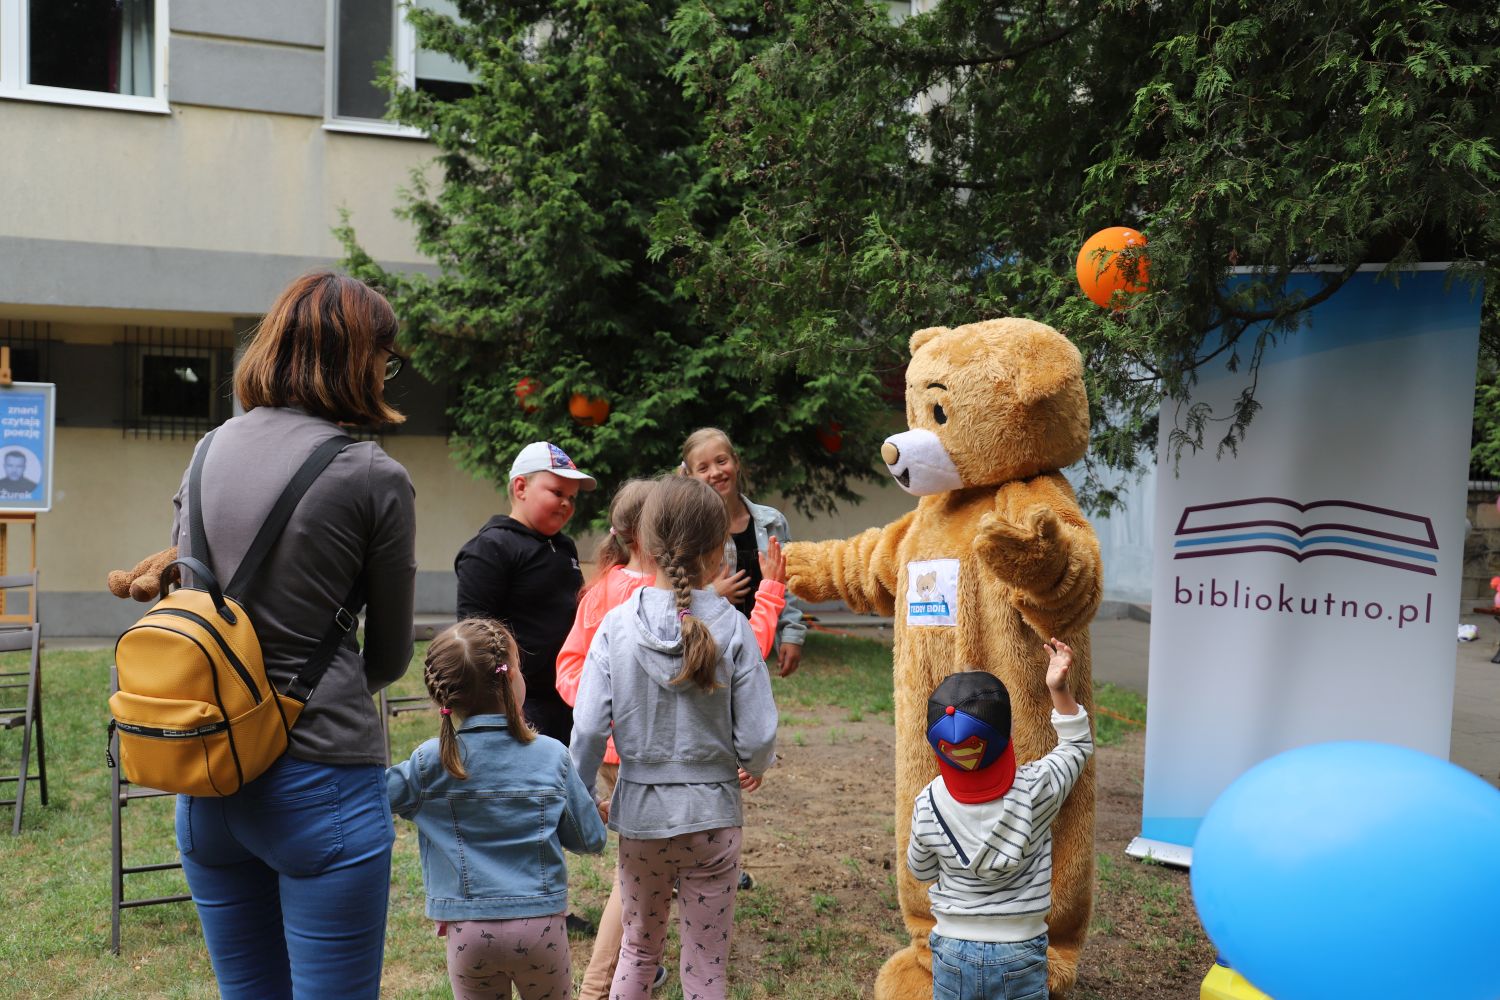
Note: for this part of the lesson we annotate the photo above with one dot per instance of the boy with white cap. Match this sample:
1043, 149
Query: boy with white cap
983, 830
523, 571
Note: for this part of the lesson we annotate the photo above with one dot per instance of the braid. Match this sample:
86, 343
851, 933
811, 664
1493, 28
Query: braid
680, 549
436, 675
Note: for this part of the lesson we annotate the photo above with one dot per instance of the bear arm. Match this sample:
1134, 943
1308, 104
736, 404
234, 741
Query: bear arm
860, 571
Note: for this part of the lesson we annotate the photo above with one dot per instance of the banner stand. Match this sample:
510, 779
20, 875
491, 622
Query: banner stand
1160, 852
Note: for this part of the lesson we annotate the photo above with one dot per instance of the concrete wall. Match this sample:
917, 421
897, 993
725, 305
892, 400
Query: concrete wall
259, 188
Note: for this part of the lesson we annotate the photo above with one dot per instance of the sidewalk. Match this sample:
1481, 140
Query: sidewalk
1120, 653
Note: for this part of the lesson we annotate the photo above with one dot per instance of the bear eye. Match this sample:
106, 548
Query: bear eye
938, 414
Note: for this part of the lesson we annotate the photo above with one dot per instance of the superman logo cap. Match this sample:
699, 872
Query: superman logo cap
968, 727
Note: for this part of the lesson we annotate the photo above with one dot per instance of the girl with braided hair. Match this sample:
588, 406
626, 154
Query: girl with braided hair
676, 673
494, 803
622, 572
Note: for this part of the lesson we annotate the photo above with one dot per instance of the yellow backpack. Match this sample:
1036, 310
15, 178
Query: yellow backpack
195, 711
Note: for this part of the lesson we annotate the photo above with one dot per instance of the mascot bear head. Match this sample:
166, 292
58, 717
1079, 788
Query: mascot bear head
988, 403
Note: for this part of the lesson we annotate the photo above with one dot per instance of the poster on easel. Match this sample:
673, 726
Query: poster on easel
27, 412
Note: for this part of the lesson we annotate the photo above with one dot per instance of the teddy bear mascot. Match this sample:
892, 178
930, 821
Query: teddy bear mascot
996, 559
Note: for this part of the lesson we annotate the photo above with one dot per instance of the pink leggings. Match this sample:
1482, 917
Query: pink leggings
706, 868
486, 956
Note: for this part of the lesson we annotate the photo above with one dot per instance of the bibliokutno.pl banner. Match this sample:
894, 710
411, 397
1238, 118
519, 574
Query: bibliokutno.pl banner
1306, 589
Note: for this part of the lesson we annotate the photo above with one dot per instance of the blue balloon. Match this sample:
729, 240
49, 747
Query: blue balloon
1356, 870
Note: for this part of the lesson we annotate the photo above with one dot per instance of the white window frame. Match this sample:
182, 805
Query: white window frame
404, 57
14, 67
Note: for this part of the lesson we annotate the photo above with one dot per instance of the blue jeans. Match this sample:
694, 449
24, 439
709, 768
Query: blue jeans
291, 876
984, 970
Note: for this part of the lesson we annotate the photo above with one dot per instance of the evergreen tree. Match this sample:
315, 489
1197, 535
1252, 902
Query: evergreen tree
550, 173
895, 174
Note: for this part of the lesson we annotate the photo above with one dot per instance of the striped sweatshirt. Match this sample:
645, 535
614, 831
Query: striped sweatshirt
992, 861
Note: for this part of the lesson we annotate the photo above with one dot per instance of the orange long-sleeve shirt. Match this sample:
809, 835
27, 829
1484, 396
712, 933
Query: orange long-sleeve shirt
609, 592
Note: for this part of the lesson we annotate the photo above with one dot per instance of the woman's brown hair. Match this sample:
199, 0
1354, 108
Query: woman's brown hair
624, 519
467, 670
683, 529
319, 349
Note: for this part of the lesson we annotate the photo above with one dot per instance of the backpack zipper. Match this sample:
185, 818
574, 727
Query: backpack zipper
156, 732
234, 661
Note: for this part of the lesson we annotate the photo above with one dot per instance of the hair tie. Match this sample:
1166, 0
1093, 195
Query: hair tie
503, 668
612, 531
684, 613
446, 711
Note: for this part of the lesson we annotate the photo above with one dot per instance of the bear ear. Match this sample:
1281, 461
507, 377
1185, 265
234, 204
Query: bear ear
923, 336
1052, 362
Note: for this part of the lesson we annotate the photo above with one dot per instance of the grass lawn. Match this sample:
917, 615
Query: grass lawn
54, 933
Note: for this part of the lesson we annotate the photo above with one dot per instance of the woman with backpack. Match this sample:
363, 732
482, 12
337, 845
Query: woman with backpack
291, 873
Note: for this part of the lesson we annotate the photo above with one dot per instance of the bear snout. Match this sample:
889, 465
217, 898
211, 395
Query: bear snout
920, 463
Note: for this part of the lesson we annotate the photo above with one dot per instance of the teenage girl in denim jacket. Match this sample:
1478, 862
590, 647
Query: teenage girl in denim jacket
708, 454
495, 804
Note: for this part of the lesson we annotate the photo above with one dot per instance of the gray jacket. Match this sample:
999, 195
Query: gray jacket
771, 523
680, 747
358, 517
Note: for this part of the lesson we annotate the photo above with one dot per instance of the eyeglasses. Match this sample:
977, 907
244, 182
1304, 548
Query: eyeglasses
393, 364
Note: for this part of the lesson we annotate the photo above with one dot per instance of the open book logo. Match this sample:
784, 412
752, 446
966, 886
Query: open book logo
1342, 528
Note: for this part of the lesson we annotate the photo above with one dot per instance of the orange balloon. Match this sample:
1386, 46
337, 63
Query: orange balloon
524, 389
1101, 272
588, 411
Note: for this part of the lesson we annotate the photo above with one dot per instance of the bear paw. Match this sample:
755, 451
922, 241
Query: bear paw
145, 581
1030, 555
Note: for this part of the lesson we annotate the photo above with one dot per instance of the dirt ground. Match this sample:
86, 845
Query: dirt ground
820, 842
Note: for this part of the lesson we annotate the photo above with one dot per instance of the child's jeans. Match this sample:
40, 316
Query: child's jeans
706, 868
987, 970
485, 957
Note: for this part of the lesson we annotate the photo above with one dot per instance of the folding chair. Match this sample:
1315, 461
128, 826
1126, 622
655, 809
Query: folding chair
27, 717
122, 793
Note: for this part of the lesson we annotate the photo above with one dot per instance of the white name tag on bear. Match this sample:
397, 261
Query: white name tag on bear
932, 592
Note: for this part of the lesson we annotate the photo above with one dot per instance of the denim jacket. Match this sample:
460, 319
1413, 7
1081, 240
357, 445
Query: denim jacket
492, 844
770, 522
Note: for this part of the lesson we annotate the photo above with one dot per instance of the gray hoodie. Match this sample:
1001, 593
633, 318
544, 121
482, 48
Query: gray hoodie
680, 747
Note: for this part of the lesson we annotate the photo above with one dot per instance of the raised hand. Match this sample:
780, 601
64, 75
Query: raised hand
773, 562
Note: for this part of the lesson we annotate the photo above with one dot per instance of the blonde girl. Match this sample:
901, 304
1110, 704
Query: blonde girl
676, 673
494, 803
710, 456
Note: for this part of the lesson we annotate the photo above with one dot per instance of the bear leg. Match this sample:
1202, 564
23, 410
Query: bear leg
906, 975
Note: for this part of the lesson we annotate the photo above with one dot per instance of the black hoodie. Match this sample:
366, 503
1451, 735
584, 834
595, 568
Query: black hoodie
529, 581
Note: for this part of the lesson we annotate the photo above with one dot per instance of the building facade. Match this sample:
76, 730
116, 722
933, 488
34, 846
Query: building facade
172, 165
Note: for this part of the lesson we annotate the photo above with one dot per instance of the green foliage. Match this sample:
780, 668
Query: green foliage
947, 168
550, 174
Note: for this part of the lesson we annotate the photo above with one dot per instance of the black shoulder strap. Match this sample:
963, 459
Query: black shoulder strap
344, 620
281, 513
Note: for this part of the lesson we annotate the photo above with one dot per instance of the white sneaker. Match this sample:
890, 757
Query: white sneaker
661, 978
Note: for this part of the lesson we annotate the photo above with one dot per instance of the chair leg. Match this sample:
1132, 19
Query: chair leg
41, 741
116, 852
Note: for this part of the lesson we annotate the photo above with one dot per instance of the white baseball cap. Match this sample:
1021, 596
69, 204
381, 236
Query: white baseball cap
540, 456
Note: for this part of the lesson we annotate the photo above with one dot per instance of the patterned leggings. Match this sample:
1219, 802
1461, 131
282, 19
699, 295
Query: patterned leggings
486, 956
706, 868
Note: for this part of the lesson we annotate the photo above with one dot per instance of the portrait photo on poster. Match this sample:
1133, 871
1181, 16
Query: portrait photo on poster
26, 437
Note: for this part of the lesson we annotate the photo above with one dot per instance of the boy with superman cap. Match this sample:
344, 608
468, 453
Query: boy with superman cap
983, 831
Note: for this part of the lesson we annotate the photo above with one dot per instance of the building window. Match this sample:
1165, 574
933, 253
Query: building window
30, 344
101, 53
177, 381
370, 36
